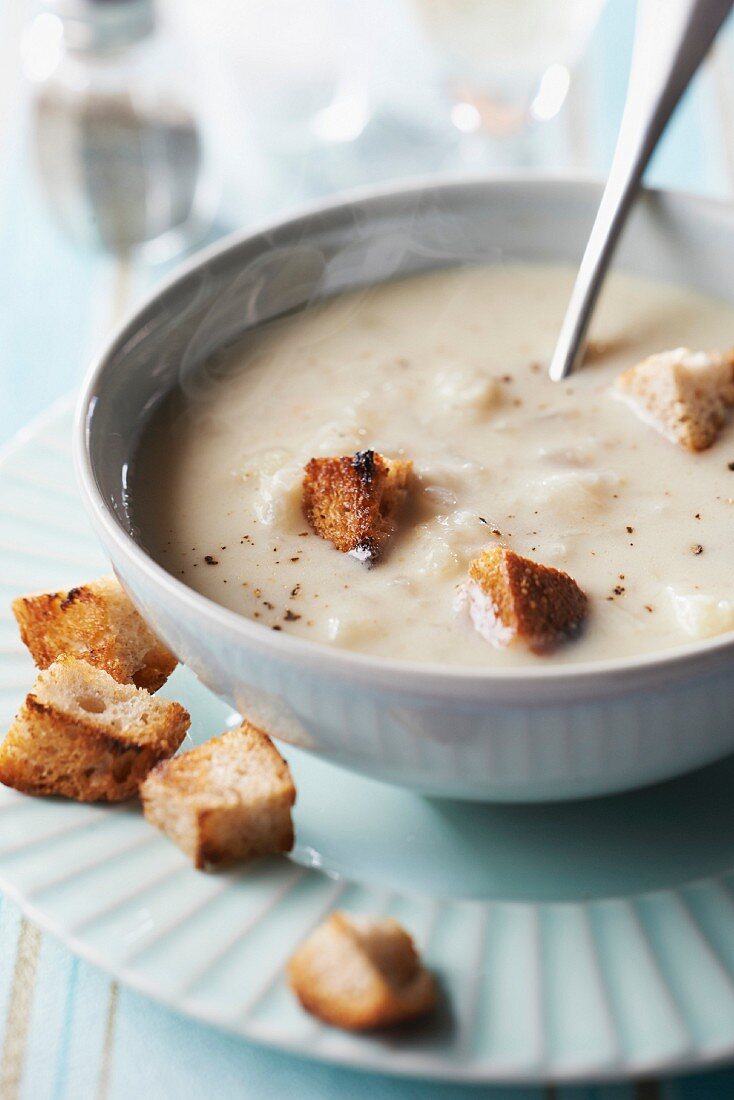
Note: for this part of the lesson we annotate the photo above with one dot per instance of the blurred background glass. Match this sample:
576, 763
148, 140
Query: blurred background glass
155, 123
506, 63
308, 96
117, 138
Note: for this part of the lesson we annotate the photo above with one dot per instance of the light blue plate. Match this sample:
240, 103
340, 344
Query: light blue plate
572, 941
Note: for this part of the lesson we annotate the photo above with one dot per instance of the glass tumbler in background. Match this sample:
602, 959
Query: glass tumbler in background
506, 63
117, 143
285, 95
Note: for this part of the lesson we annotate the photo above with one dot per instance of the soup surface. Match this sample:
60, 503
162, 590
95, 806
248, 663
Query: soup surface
448, 369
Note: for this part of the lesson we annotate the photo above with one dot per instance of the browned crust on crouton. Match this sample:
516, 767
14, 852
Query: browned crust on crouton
537, 604
352, 501
98, 623
360, 974
58, 746
227, 800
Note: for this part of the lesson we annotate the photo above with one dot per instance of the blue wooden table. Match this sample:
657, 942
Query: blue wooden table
66, 1029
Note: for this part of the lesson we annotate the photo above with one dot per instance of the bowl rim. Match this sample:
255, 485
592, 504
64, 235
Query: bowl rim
546, 682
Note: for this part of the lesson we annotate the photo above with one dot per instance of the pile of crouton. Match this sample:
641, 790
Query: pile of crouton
92, 729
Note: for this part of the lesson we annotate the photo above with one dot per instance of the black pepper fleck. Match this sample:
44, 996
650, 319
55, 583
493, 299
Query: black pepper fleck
697, 549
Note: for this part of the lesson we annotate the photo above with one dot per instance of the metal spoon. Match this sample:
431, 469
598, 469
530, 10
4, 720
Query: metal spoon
672, 37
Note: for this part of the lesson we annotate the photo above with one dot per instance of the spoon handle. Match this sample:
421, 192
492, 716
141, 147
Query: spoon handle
672, 37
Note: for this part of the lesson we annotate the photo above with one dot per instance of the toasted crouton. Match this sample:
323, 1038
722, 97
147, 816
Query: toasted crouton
352, 501
98, 623
359, 973
684, 395
512, 598
83, 735
226, 800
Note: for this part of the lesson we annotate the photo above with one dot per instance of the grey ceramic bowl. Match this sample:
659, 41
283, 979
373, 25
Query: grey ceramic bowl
550, 732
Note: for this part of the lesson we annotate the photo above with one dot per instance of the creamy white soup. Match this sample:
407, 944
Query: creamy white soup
448, 370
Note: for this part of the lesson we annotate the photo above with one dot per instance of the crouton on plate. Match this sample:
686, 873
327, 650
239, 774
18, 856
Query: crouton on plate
352, 501
361, 972
512, 598
83, 735
96, 622
226, 800
684, 395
